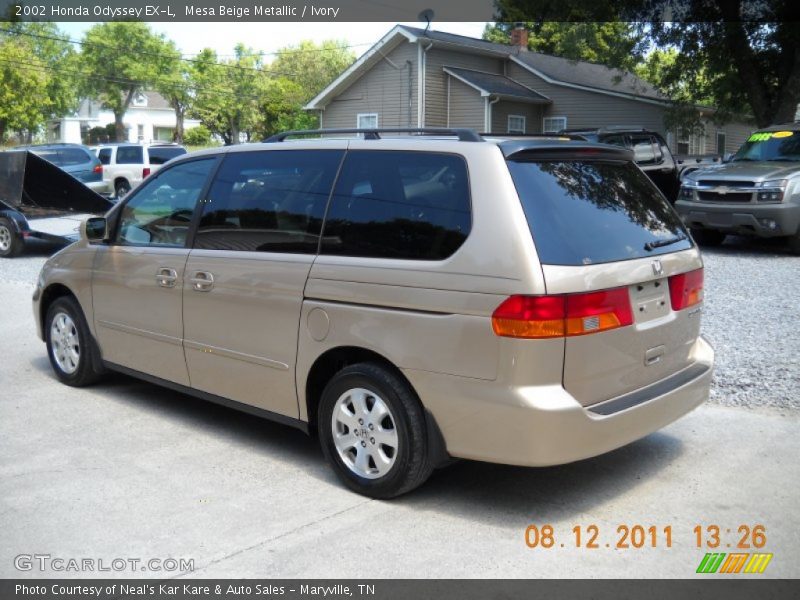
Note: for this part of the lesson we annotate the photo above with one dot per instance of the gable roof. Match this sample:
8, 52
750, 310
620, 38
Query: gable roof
491, 84
553, 69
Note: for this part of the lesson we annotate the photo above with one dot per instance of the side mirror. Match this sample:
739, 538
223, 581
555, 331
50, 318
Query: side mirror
95, 229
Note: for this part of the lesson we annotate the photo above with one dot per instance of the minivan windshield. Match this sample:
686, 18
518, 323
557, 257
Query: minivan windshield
770, 146
583, 212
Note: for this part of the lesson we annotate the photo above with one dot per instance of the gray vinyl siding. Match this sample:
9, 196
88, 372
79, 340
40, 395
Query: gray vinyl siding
436, 80
590, 109
383, 90
466, 106
735, 135
531, 112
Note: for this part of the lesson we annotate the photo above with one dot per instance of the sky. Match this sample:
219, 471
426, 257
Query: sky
191, 38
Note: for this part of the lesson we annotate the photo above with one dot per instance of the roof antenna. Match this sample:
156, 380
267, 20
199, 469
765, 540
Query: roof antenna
427, 16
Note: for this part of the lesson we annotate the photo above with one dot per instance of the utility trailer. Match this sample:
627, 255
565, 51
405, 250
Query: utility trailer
39, 200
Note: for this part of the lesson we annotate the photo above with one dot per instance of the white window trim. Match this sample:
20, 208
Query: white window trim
359, 116
553, 117
516, 130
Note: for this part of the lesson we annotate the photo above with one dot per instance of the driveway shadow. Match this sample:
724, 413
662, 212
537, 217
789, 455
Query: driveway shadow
500, 495
745, 246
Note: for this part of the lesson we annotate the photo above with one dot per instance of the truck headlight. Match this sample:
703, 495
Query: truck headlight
686, 193
772, 191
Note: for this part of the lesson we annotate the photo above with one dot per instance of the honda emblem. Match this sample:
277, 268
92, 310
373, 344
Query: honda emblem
657, 268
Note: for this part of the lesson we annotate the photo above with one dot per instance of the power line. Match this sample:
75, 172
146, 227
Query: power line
179, 57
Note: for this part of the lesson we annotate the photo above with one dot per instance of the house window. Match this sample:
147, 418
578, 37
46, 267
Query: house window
139, 99
721, 142
367, 121
554, 124
691, 143
516, 124
140, 132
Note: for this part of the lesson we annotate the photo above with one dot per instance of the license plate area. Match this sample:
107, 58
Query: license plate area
650, 300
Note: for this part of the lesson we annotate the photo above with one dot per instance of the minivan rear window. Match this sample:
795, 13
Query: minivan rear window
583, 212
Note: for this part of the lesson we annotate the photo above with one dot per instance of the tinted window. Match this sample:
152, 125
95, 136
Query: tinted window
582, 213
160, 155
129, 155
50, 155
774, 146
413, 205
104, 154
160, 211
73, 156
271, 201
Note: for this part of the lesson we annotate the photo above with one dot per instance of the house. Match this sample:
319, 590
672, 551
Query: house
149, 118
417, 78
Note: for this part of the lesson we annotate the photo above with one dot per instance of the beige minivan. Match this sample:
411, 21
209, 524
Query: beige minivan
412, 299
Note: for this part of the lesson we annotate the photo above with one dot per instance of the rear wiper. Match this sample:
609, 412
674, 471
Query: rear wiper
661, 243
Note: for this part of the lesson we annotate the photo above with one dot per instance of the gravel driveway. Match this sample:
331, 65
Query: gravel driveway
751, 315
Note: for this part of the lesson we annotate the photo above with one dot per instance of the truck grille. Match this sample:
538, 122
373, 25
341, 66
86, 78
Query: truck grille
730, 197
726, 182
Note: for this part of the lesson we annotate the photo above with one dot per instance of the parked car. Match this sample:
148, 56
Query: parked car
650, 152
688, 163
39, 200
757, 193
411, 299
126, 165
75, 159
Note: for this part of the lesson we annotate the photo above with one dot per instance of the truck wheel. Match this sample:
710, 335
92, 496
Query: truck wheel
11, 242
122, 187
373, 432
794, 243
708, 237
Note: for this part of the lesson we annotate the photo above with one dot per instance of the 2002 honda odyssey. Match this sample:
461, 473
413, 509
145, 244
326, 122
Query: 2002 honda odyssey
530, 302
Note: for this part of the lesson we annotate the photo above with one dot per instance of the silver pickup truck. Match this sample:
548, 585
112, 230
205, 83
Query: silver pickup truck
756, 193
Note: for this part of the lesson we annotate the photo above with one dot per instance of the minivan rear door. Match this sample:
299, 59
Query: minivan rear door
598, 223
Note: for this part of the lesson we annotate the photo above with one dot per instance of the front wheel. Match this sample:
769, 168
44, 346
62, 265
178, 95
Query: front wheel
708, 237
69, 343
11, 242
373, 432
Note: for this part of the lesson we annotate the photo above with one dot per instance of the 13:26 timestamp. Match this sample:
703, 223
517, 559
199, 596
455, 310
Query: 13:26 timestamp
627, 536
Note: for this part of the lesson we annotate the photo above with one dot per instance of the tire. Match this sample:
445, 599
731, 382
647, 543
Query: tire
708, 237
70, 346
11, 243
793, 242
379, 470
121, 188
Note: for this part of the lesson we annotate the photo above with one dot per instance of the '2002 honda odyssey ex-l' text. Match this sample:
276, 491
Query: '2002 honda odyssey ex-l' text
410, 298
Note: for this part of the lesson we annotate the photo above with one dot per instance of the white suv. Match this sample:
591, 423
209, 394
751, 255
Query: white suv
126, 165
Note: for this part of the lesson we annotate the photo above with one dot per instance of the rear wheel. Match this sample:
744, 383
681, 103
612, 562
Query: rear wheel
373, 433
70, 346
11, 242
122, 187
708, 237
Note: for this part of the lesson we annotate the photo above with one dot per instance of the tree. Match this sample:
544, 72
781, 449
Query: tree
312, 66
225, 93
613, 44
175, 84
121, 59
39, 76
743, 56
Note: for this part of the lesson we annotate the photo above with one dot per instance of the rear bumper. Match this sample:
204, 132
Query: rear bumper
748, 219
545, 425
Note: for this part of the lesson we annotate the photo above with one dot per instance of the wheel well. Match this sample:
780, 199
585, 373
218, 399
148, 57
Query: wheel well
333, 361
120, 180
50, 295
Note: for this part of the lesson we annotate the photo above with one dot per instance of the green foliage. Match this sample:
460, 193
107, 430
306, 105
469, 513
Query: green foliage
197, 136
613, 44
123, 58
100, 134
312, 66
37, 79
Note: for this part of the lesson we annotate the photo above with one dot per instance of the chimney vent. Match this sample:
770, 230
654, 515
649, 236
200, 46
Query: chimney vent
519, 37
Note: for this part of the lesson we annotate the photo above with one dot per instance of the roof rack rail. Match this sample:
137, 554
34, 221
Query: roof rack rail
463, 134
571, 136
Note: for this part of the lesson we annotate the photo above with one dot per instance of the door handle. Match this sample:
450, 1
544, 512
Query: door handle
202, 281
166, 277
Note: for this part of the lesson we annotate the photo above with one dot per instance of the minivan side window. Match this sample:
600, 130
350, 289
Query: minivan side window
160, 211
129, 155
268, 201
406, 205
104, 154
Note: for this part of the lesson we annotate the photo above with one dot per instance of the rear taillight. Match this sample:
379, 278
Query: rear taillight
686, 289
145, 172
562, 315
98, 169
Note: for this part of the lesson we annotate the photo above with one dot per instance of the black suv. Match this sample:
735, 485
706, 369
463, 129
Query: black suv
650, 152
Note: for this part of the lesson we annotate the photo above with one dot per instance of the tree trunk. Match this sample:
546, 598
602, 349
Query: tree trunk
180, 114
234, 131
119, 127
2, 131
